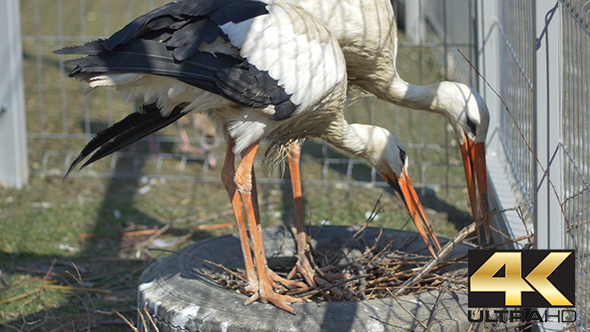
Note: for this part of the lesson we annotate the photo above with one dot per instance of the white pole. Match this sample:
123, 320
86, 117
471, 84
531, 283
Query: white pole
13, 136
500, 182
549, 221
414, 23
549, 227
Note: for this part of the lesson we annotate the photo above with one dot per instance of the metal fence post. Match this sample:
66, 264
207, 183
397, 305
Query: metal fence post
414, 21
501, 182
549, 220
549, 227
13, 141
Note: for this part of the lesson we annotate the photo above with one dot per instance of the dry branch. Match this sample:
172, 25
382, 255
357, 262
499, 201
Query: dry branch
455, 241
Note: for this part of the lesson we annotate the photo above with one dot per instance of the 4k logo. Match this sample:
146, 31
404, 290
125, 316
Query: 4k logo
527, 278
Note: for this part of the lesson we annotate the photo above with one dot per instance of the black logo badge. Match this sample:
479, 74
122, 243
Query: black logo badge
525, 278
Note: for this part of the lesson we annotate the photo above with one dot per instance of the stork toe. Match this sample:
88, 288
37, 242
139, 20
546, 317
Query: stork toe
284, 281
278, 300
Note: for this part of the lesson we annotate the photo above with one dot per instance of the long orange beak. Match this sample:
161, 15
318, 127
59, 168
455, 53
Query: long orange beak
474, 161
406, 193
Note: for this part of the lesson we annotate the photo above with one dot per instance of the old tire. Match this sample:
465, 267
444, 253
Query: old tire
180, 298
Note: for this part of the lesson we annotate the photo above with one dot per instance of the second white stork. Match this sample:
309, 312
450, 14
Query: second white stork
267, 70
367, 33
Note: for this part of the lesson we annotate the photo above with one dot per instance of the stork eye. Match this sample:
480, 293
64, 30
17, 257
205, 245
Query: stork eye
472, 126
402, 155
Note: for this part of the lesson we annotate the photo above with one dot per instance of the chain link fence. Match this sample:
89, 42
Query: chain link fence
534, 54
574, 146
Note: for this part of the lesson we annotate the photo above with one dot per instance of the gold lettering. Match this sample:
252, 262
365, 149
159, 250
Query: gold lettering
511, 284
538, 278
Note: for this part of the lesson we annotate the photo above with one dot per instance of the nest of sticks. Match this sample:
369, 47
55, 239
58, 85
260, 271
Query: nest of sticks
347, 274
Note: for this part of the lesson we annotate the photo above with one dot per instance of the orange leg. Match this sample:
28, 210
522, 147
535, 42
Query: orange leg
243, 180
227, 177
303, 266
273, 276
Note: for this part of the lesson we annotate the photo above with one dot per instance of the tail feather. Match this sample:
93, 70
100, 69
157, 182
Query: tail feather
125, 132
90, 48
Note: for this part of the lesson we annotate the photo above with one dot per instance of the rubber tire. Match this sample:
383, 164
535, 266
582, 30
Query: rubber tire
181, 298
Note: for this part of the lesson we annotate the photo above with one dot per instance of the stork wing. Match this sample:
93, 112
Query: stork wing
166, 42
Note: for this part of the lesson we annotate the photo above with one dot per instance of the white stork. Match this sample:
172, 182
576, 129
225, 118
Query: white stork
367, 33
266, 69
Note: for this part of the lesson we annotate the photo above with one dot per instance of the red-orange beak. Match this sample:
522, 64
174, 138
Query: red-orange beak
406, 193
474, 161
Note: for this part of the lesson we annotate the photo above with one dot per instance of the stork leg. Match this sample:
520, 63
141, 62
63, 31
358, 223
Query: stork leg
273, 276
227, 177
243, 180
302, 266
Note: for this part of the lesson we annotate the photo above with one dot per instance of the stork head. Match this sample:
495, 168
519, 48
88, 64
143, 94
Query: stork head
470, 118
388, 155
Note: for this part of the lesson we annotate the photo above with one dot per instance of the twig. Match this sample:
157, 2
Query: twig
11, 327
130, 324
145, 328
18, 297
456, 240
520, 238
77, 289
159, 232
362, 284
317, 270
150, 317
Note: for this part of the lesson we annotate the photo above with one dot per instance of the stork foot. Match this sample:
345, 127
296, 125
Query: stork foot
277, 299
303, 266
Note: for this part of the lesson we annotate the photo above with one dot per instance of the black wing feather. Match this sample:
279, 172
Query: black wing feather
166, 22
90, 48
238, 12
187, 43
196, 8
125, 132
147, 125
128, 32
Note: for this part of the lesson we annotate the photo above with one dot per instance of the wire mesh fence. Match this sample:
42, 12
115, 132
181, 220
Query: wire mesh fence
61, 118
544, 132
574, 147
516, 75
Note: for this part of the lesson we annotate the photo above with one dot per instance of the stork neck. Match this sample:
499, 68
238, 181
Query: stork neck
356, 139
420, 97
